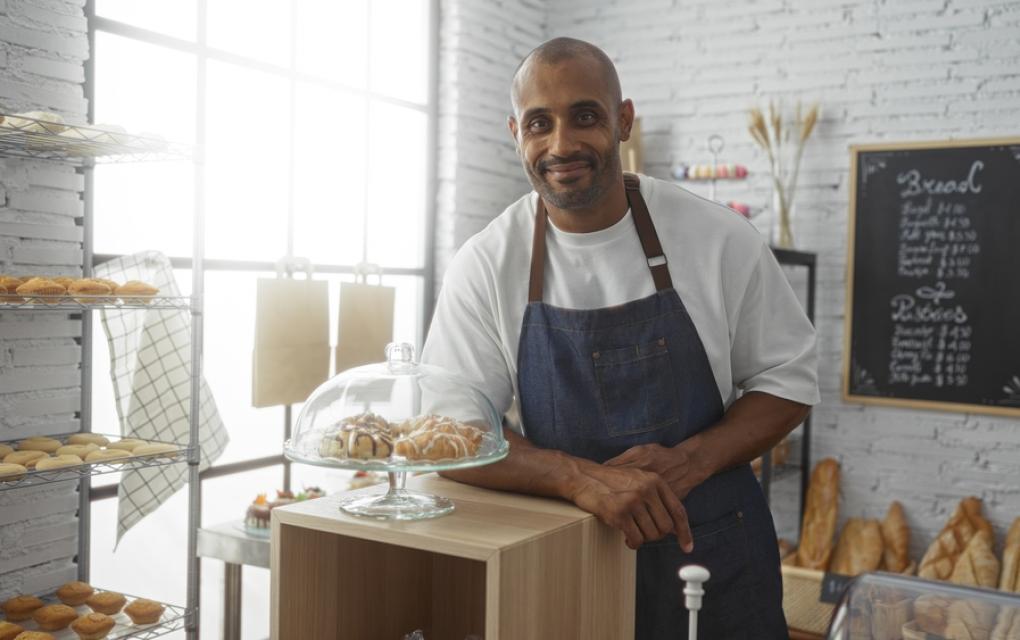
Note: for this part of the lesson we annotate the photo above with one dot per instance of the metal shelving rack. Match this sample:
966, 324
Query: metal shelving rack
789, 257
83, 146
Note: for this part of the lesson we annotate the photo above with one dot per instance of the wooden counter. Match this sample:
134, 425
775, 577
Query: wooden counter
502, 567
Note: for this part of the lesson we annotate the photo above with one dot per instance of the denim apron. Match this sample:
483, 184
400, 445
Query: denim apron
594, 383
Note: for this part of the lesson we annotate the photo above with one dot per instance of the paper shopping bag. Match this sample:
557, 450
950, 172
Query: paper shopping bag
366, 324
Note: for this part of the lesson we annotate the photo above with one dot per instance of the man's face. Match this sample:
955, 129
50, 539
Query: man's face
568, 131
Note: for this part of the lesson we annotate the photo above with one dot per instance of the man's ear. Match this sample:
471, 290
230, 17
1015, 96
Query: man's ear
511, 123
625, 119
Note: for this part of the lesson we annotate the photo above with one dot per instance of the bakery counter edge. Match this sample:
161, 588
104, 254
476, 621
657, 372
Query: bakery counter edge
484, 521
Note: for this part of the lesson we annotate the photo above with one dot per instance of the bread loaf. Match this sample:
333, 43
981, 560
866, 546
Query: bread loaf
895, 540
1007, 627
969, 620
819, 524
977, 566
859, 549
930, 613
941, 556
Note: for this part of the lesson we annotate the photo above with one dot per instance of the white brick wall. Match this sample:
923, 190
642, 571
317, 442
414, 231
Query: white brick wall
43, 45
883, 70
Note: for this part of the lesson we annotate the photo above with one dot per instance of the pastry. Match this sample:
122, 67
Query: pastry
40, 443
258, 513
108, 602
127, 444
11, 472
930, 613
434, 445
888, 618
158, 450
74, 594
54, 617
93, 290
977, 566
93, 626
136, 292
25, 458
34, 635
57, 462
80, 450
819, 524
107, 455
310, 493
859, 549
941, 556
4, 450
10, 285
1010, 578
969, 620
21, 608
65, 281
42, 287
357, 441
895, 540
144, 611
110, 283
88, 438
9, 630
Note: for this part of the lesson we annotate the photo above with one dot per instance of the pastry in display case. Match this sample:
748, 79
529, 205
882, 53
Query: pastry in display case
881, 606
394, 417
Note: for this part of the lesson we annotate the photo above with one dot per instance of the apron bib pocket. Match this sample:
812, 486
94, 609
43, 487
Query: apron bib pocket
636, 388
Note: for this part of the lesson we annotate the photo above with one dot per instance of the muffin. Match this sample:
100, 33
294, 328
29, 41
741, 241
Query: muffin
90, 290
42, 287
54, 617
108, 602
21, 608
136, 292
57, 462
88, 438
9, 630
74, 594
34, 635
142, 611
106, 455
40, 443
66, 281
92, 626
10, 285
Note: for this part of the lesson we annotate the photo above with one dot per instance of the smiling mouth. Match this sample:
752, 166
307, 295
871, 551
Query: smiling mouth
567, 171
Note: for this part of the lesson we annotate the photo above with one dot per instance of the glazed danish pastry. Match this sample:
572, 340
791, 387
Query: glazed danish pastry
355, 441
428, 444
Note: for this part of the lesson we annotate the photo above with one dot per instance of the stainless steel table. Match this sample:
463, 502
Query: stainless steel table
227, 542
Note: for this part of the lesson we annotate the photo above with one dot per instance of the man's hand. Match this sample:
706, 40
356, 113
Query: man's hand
672, 464
638, 503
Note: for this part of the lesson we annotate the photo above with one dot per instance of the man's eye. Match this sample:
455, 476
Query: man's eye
538, 124
586, 117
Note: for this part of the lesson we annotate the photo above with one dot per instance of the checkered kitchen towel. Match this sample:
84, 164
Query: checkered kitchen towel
150, 356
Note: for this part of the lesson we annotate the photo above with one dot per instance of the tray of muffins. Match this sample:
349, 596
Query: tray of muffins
79, 611
66, 292
45, 459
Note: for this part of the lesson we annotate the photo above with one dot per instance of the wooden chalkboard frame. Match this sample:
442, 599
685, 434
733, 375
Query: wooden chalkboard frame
910, 403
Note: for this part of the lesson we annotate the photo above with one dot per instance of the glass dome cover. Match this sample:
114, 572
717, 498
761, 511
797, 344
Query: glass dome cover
397, 415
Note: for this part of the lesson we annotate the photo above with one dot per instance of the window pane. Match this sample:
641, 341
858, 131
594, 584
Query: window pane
258, 29
399, 54
329, 175
173, 17
144, 88
333, 40
247, 156
396, 185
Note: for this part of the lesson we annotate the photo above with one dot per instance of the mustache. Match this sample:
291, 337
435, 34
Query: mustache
544, 165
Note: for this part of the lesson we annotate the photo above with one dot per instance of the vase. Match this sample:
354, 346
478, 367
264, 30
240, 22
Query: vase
783, 221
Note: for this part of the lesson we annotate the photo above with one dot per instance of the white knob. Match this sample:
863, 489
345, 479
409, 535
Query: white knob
694, 575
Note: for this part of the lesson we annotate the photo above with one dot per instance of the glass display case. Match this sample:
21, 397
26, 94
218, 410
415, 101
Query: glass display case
881, 606
397, 416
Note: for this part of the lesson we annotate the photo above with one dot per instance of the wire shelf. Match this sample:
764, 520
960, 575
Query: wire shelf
34, 477
173, 619
31, 138
64, 302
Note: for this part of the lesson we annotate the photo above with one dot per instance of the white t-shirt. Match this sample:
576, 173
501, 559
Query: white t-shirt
753, 328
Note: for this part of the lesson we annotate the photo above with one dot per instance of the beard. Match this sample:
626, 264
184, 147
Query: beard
573, 197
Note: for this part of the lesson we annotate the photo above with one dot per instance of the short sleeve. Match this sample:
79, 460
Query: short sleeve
463, 337
773, 344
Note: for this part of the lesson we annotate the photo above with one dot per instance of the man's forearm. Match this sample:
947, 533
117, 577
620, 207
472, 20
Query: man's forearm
751, 426
526, 469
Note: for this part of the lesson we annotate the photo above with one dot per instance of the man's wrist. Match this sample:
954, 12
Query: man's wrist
571, 480
700, 462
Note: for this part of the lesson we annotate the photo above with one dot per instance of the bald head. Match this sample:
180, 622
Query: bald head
560, 50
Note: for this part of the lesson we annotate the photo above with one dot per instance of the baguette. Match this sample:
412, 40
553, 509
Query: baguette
819, 524
1007, 627
859, 549
940, 558
895, 540
977, 566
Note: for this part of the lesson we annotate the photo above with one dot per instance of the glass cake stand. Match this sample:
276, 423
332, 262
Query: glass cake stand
376, 417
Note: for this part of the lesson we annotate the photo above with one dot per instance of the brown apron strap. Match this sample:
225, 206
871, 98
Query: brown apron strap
646, 233
645, 230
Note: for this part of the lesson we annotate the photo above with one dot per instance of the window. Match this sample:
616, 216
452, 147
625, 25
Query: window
316, 118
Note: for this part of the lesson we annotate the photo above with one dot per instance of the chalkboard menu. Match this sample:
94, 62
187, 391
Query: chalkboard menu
933, 313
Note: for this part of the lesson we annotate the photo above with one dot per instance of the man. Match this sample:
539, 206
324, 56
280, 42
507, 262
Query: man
623, 314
